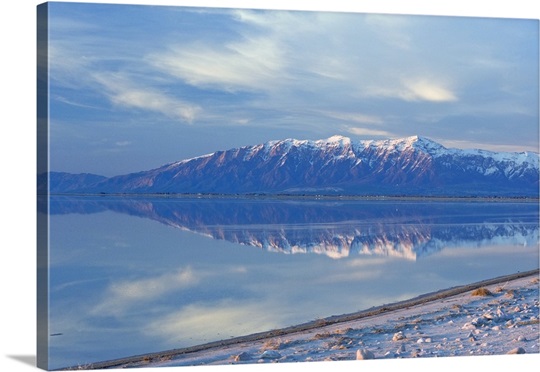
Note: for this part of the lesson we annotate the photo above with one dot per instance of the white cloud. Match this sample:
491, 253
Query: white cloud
70, 102
425, 90
368, 132
413, 90
249, 64
278, 22
67, 68
70, 68
123, 92
326, 54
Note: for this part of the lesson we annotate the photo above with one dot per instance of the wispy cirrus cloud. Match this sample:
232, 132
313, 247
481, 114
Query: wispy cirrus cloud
359, 131
415, 90
426, 90
250, 64
360, 124
120, 91
293, 54
124, 92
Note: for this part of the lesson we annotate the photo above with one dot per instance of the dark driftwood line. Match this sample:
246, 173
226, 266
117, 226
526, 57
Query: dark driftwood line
315, 324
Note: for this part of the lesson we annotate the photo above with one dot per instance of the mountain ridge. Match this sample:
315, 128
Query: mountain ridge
411, 166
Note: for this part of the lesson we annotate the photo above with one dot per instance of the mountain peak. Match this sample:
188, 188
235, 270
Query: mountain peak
422, 143
337, 138
417, 139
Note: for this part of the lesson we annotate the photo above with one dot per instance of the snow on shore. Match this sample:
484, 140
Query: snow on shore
504, 320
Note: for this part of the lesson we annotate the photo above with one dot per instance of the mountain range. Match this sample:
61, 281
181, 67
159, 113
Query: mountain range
412, 166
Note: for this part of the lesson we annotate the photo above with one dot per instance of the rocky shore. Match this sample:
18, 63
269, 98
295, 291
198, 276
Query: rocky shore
495, 317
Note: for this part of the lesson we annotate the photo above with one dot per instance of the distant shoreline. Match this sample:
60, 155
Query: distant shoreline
302, 197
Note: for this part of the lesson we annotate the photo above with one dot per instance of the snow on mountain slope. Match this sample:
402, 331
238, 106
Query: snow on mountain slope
410, 166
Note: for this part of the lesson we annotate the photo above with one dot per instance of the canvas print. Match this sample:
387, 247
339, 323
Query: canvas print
240, 186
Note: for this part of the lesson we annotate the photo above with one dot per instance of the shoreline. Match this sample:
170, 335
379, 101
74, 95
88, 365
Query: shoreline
256, 196
220, 352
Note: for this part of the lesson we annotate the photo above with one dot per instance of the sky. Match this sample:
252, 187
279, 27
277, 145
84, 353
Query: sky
133, 87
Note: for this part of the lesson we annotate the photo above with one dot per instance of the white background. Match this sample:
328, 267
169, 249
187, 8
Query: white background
17, 193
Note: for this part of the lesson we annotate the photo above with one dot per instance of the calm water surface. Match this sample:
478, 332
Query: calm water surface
130, 276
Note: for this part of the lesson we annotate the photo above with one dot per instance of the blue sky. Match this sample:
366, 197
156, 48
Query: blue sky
134, 87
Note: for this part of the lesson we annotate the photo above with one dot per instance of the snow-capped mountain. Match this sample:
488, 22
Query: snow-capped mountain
337, 165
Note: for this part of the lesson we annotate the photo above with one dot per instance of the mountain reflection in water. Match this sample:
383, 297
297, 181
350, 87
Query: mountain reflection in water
121, 284
337, 229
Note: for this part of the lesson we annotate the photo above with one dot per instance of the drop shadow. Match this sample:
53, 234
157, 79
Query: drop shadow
25, 359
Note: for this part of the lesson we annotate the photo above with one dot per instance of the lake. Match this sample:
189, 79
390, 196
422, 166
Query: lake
136, 275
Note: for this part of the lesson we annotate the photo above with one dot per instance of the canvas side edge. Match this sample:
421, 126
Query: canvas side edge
42, 162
